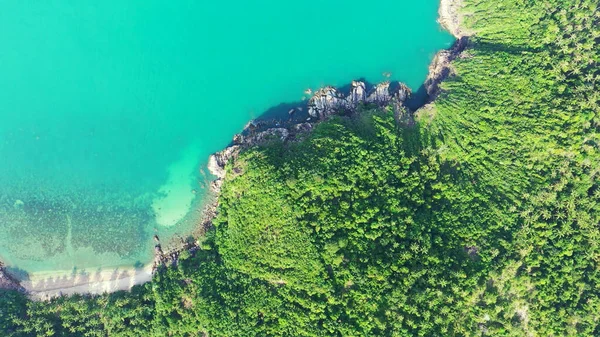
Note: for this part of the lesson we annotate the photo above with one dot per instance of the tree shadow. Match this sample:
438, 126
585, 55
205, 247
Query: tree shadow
490, 45
18, 273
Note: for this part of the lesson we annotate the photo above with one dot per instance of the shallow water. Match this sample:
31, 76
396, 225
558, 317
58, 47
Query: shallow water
110, 109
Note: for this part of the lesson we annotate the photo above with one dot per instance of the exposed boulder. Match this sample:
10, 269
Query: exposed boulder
380, 95
326, 101
301, 128
217, 161
358, 94
402, 93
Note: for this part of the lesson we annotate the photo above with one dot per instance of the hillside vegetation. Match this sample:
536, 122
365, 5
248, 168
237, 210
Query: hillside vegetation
481, 219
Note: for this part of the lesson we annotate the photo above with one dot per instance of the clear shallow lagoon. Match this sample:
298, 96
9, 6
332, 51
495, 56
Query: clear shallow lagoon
110, 109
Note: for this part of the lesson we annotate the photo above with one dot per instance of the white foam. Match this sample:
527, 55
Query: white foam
175, 196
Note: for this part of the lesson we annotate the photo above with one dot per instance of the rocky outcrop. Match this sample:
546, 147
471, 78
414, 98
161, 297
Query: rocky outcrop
325, 102
358, 94
170, 258
380, 94
328, 101
385, 93
440, 68
217, 161
262, 137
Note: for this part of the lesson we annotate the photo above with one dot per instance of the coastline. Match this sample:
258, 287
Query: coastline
450, 17
47, 285
323, 103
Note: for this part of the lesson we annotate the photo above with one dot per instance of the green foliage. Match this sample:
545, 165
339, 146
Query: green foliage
480, 220
522, 115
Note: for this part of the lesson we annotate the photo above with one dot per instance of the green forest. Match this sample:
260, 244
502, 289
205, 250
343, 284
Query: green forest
480, 218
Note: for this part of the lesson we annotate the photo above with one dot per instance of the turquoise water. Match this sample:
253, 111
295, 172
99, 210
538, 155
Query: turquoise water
110, 109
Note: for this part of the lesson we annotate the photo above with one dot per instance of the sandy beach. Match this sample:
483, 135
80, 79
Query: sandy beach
46, 285
450, 17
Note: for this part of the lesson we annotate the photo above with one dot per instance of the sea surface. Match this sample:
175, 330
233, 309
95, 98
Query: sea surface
109, 109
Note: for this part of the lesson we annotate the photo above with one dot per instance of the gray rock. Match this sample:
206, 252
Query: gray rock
267, 135
380, 95
302, 127
325, 102
217, 161
440, 68
402, 94
358, 94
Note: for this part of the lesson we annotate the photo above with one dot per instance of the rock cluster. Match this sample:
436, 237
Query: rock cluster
327, 101
170, 258
324, 103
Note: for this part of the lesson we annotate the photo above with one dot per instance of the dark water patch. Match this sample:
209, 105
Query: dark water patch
418, 99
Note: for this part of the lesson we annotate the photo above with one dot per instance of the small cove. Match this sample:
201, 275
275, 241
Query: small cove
109, 111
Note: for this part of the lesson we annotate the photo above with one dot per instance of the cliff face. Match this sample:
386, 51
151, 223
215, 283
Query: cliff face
327, 101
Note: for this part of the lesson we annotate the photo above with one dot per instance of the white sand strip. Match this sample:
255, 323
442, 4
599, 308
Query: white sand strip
43, 286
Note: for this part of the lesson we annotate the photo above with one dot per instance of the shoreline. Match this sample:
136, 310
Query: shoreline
450, 18
323, 103
47, 285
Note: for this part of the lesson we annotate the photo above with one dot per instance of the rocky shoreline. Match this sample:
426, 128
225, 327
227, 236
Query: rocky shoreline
451, 18
441, 67
324, 103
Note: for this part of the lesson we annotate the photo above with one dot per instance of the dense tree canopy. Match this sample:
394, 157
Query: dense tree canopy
481, 219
